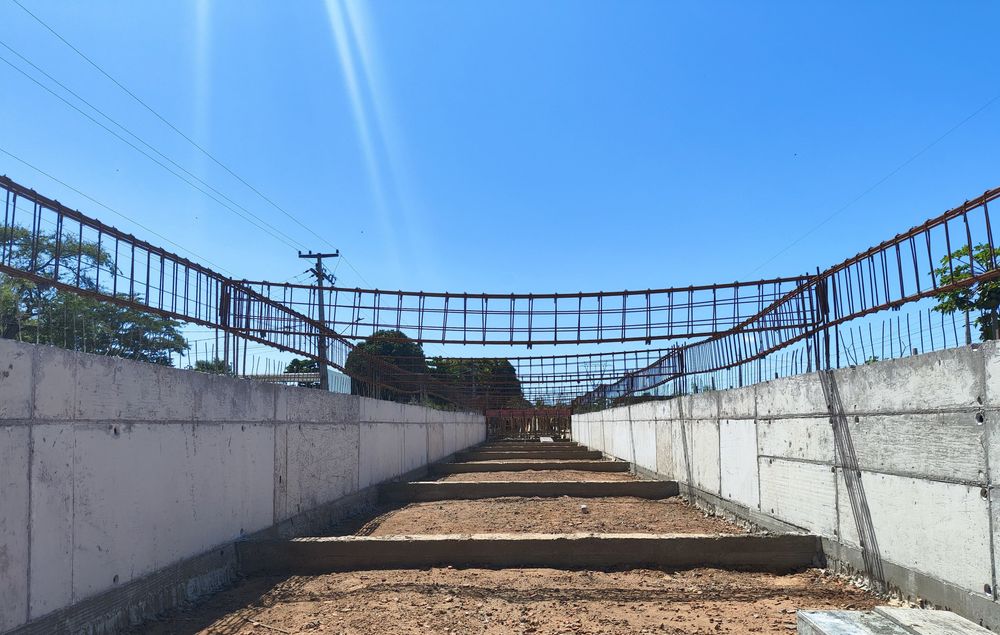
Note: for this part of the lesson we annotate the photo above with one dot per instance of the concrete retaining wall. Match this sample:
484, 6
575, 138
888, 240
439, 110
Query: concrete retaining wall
926, 432
115, 474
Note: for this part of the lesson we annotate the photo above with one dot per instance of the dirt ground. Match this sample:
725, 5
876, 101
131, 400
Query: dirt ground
498, 602
540, 475
548, 515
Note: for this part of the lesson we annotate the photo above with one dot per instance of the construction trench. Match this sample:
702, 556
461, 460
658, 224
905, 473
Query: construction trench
165, 501
539, 537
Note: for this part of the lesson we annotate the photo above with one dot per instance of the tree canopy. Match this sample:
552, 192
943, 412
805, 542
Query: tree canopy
40, 313
981, 297
476, 384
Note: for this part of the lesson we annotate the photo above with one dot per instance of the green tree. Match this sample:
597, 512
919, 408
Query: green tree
481, 384
215, 366
38, 312
978, 297
388, 365
304, 366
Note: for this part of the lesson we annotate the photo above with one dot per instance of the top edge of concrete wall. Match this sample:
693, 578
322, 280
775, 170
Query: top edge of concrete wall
45, 383
965, 378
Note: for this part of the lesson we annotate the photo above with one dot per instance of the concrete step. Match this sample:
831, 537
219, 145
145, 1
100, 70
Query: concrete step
485, 455
537, 447
451, 490
886, 620
312, 556
515, 466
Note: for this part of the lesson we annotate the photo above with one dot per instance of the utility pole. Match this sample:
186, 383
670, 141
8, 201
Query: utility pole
321, 275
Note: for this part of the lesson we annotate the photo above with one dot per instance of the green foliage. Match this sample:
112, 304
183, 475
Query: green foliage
980, 297
304, 366
485, 383
215, 367
477, 384
368, 360
39, 313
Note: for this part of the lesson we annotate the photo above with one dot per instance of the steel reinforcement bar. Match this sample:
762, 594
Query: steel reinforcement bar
947, 254
527, 319
52, 246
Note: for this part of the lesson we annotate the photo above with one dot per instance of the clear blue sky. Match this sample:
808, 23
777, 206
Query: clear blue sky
518, 146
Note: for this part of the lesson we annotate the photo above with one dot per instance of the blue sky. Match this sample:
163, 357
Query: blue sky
517, 146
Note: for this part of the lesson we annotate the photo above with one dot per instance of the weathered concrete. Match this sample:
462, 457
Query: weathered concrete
120, 480
310, 556
885, 620
926, 431
450, 490
514, 466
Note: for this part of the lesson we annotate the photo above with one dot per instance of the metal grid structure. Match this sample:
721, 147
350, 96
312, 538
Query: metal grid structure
526, 319
727, 334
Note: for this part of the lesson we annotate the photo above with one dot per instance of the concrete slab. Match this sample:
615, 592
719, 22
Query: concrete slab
514, 466
925, 622
846, 623
311, 556
449, 490
512, 455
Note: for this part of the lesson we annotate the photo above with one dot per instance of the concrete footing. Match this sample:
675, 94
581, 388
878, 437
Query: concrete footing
496, 455
886, 620
450, 490
515, 466
310, 556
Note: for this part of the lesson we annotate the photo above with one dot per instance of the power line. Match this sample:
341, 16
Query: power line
178, 131
260, 223
163, 119
114, 211
885, 178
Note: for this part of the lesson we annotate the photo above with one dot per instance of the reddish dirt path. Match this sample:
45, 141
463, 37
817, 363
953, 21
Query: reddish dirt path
548, 515
535, 601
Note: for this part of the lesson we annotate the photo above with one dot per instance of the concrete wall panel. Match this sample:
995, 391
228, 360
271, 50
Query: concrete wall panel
644, 440
802, 494
936, 446
322, 464
16, 372
381, 451
940, 529
790, 397
415, 444
14, 513
664, 449
935, 381
805, 439
126, 527
738, 403
435, 441
705, 455
739, 480
51, 516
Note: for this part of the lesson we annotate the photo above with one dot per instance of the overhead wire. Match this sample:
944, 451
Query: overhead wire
181, 133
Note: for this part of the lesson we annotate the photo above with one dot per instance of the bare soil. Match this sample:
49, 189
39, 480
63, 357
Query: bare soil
540, 475
548, 515
498, 602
